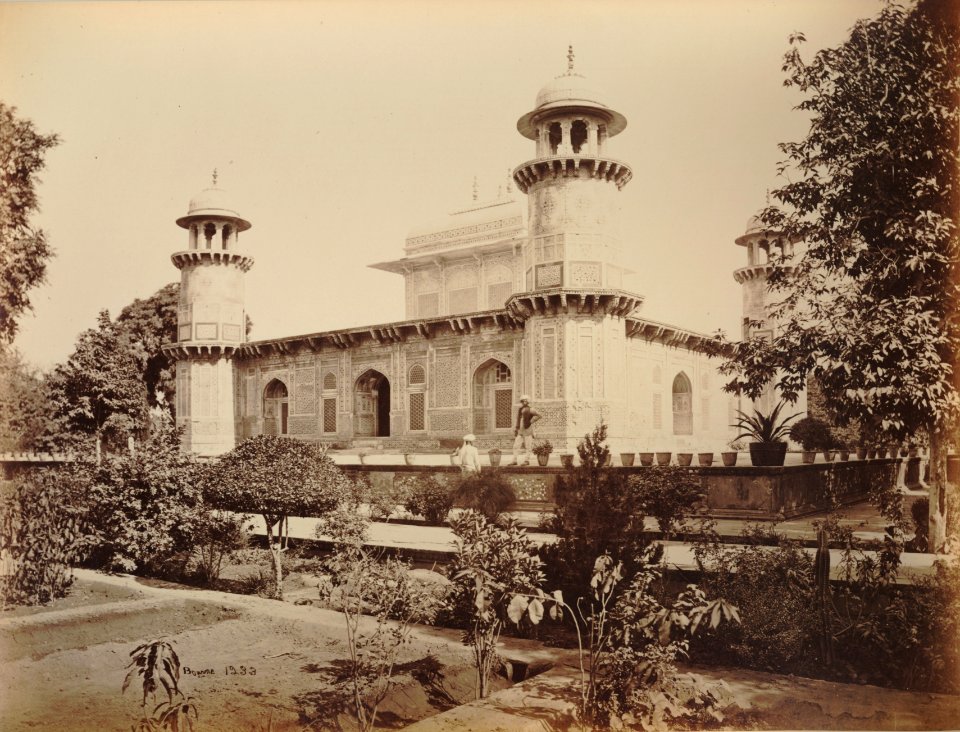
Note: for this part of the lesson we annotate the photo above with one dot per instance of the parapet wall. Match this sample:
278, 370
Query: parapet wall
738, 492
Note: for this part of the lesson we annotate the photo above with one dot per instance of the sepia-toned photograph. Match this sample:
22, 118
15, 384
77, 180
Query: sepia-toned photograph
479, 366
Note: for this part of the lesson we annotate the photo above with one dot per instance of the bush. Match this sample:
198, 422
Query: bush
598, 511
668, 493
773, 588
429, 497
42, 533
217, 534
143, 508
813, 434
489, 493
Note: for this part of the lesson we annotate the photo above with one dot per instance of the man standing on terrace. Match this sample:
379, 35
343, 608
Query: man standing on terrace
527, 416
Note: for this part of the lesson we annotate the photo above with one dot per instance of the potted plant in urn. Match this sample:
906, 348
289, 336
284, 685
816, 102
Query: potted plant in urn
542, 450
768, 433
814, 435
494, 454
566, 459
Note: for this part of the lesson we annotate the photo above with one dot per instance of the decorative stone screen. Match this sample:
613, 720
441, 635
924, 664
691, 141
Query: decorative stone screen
428, 305
504, 408
417, 411
463, 300
329, 415
498, 293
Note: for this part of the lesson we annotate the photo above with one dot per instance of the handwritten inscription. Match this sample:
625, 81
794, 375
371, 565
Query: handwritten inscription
227, 671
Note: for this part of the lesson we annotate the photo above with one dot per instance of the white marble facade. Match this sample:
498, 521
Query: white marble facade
502, 298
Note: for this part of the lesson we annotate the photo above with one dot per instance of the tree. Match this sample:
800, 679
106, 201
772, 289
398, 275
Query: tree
24, 250
277, 477
98, 390
869, 303
24, 413
146, 325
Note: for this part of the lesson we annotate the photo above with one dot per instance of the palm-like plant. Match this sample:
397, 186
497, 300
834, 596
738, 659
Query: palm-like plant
765, 428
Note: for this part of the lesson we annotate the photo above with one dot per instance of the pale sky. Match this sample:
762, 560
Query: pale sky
337, 127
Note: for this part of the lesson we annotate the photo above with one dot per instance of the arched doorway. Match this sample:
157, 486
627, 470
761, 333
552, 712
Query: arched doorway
682, 405
492, 397
276, 408
371, 405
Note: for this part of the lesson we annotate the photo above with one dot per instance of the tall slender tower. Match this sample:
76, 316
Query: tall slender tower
573, 306
211, 321
760, 242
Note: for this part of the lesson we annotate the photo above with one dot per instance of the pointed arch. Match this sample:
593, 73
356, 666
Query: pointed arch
276, 408
492, 397
682, 405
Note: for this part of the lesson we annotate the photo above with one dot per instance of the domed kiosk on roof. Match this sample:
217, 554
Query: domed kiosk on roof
212, 202
568, 92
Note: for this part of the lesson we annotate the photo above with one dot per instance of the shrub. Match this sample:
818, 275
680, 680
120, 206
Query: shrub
364, 584
668, 493
42, 533
598, 511
429, 497
217, 534
813, 434
490, 493
493, 563
142, 507
277, 477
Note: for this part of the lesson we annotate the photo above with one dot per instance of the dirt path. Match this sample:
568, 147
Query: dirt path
248, 662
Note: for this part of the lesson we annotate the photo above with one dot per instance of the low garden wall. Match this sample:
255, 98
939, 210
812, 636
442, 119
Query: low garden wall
737, 492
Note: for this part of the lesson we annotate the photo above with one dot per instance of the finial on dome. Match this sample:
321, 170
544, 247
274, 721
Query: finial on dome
570, 59
476, 190
214, 177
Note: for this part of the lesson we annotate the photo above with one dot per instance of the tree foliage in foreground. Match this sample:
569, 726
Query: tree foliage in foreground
98, 391
146, 325
24, 250
24, 413
277, 477
869, 305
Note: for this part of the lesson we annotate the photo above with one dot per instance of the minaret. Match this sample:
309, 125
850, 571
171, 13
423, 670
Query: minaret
573, 305
210, 321
760, 242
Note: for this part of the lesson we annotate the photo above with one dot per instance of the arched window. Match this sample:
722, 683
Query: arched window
682, 405
276, 408
492, 397
329, 398
578, 135
209, 231
225, 236
417, 375
556, 137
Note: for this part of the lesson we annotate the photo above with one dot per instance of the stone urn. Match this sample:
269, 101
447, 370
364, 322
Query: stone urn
566, 460
768, 454
684, 458
663, 458
705, 459
729, 458
627, 458
494, 456
646, 459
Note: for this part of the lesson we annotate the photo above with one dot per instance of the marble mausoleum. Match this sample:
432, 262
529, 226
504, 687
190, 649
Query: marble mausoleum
503, 298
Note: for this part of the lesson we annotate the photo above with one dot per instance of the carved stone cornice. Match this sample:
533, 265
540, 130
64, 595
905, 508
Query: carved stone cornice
671, 335
192, 349
756, 271
214, 256
383, 335
563, 166
619, 303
